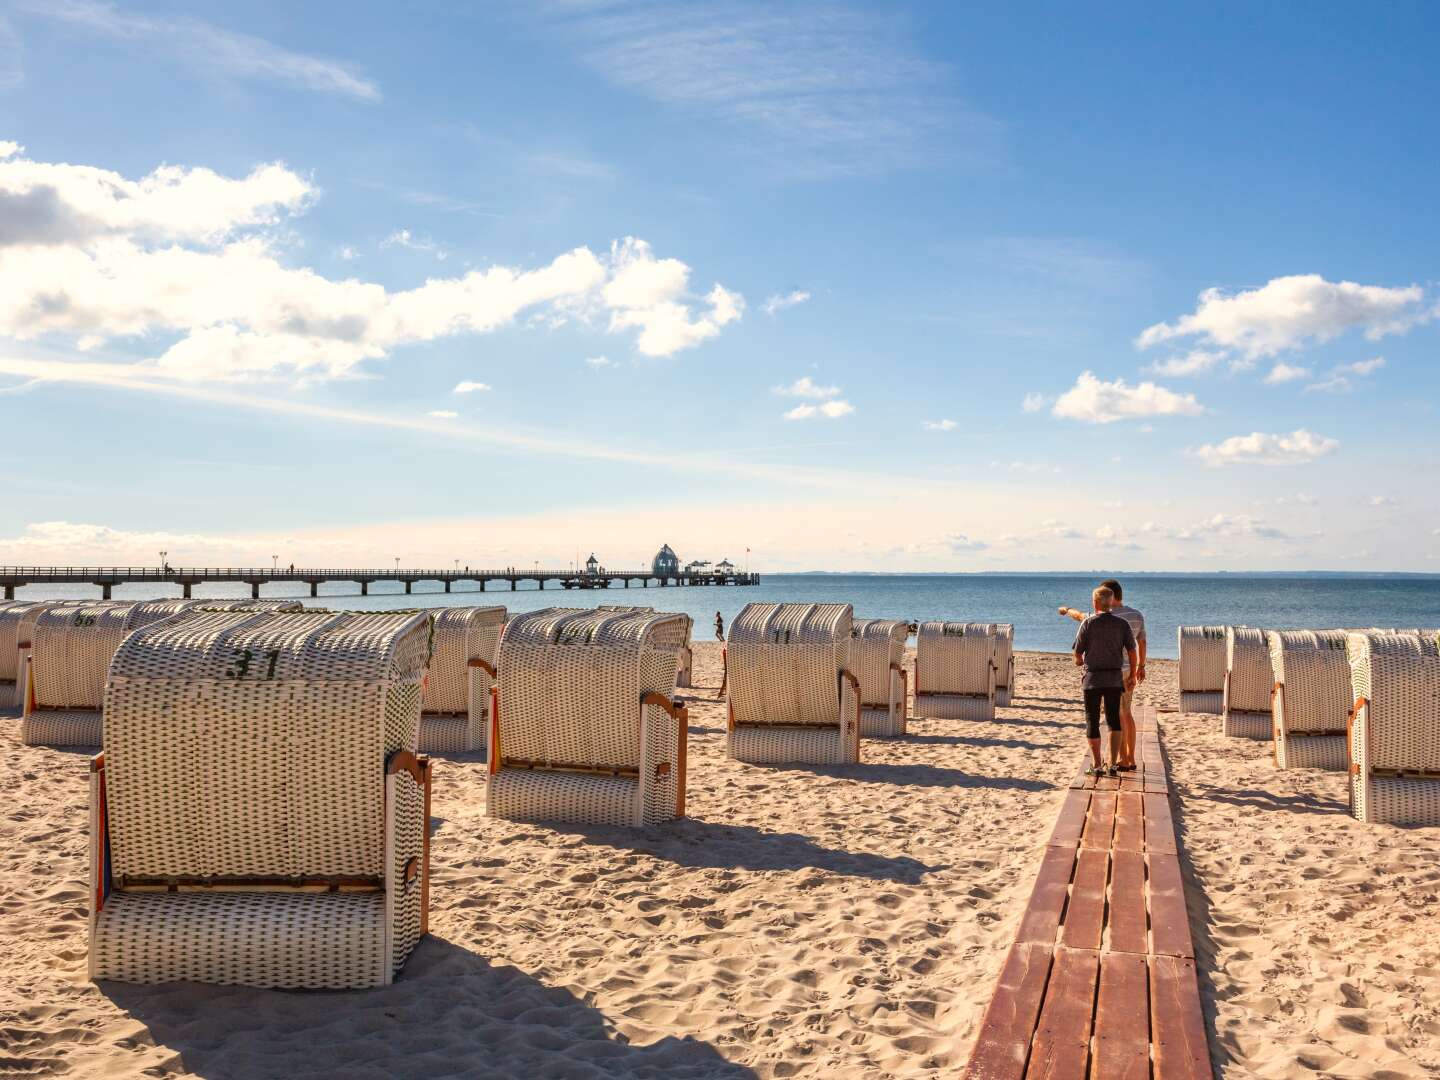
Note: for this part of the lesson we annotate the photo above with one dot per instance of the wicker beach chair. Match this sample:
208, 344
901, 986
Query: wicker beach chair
685, 658
1395, 731
17, 618
259, 816
1249, 679
70, 651
791, 696
877, 657
1004, 664
455, 708
1202, 669
1312, 698
955, 673
583, 728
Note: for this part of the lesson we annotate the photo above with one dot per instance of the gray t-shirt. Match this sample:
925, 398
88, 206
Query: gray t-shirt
1136, 621
1101, 642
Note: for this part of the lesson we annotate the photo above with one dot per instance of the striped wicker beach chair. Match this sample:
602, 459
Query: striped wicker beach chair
955, 673
455, 708
259, 816
1004, 664
70, 651
1395, 731
791, 696
1249, 679
1202, 669
17, 619
877, 657
1312, 698
685, 660
583, 728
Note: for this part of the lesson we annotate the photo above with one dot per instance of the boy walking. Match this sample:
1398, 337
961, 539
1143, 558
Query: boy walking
1102, 646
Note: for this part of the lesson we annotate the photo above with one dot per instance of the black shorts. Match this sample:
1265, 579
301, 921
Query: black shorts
1110, 695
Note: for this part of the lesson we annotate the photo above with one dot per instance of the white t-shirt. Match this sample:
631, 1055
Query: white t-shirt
1137, 625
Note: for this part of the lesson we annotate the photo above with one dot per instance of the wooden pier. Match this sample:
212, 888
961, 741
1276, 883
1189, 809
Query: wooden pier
106, 578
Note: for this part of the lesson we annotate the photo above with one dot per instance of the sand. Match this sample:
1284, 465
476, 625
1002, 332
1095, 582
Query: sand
805, 922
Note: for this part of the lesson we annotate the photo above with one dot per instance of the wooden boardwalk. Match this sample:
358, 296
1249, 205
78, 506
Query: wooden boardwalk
1100, 982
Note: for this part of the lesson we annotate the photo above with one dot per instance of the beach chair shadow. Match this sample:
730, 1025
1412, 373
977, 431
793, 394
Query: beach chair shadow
924, 776
981, 740
710, 844
450, 1013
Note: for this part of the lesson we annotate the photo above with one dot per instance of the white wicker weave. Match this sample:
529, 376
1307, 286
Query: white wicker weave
1245, 711
71, 646
14, 628
583, 728
955, 674
1395, 733
259, 816
791, 696
685, 660
1005, 691
877, 657
1311, 701
1202, 669
455, 707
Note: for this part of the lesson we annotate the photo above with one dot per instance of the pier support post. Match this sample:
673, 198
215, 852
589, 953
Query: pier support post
512, 584
104, 591
364, 588
185, 590
255, 590
314, 588
447, 585
407, 587
9, 592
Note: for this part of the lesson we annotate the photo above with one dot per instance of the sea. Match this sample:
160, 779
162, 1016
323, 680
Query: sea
1029, 601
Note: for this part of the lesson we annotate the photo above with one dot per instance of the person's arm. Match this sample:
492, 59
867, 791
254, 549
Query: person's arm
1139, 669
1073, 613
1134, 667
1079, 646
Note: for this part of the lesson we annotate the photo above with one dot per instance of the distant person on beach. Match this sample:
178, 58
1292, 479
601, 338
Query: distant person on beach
1127, 699
719, 627
1102, 646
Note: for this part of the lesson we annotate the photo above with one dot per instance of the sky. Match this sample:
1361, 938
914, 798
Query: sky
922, 287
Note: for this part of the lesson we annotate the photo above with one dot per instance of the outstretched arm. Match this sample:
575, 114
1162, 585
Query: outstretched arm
1073, 613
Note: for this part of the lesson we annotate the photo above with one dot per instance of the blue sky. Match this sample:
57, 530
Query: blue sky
858, 287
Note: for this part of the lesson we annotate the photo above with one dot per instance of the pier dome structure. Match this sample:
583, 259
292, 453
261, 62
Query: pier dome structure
666, 563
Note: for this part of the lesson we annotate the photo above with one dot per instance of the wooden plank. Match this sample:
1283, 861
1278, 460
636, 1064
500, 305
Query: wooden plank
1156, 787
1177, 1024
1071, 822
1003, 1046
1100, 825
1085, 914
1159, 825
1169, 920
1127, 902
1107, 783
1061, 1050
1122, 1018
1083, 781
1041, 921
1130, 821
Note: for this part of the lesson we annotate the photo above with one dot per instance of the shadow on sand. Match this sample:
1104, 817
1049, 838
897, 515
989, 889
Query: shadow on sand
451, 1013
980, 740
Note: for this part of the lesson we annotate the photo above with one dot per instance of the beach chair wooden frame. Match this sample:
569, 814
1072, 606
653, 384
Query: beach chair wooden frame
584, 728
955, 674
877, 657
1394, 735
1249, 681
1310, 703
259, 816
69, 652
455, 707
1202, 669
791, 696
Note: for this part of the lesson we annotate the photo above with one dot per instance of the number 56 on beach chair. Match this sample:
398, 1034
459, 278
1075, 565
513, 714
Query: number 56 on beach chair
259, 816
584, 728
792, 697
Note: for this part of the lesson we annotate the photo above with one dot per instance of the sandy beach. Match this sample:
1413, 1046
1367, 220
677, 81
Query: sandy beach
803, 922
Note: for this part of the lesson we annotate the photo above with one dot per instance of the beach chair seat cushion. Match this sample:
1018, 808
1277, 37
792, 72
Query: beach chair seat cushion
448, 733
1329, 752
1201, 701
555, 795
289, 939
62, 727
1238, 724
879, 722
798, 744
955, 706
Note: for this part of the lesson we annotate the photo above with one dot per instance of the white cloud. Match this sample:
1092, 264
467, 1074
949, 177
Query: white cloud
959, 542
806, 387
1258, 448
1034, 402
212, 50
1288, 311
780, 301
939, 425
182, 256
406, 239
346, 252
443, 414
466, 386
1339, 379
599, 361
1283, 373
1097, 402
1383, 500
831, 410
1195, 362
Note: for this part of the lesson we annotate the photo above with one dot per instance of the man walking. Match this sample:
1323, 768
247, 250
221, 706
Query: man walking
719, 627
1103, 644
1127, 699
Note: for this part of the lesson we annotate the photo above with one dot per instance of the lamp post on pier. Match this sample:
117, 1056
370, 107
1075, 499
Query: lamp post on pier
162, 560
